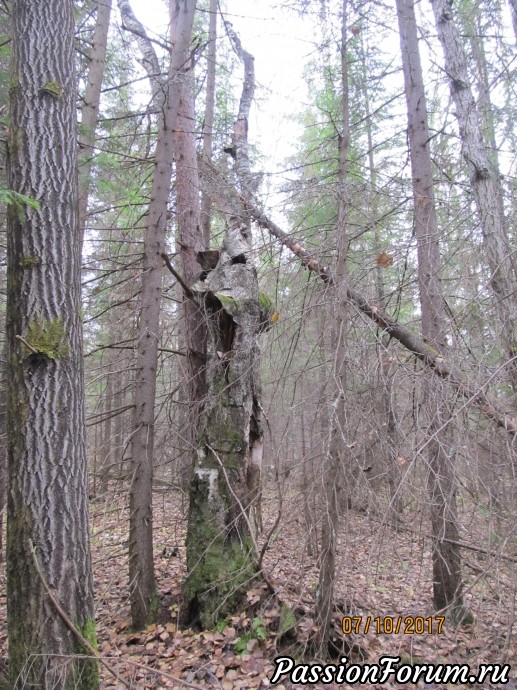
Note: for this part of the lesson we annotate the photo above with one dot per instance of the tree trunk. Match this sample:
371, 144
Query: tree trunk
47, 538
485, 181
106, 434
388, 396
90, 108
208, 125
226, 483
335, 467
447, 582
141, 566
3, 444
191, 242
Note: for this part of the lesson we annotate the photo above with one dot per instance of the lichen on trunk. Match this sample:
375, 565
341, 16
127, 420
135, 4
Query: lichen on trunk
225, 484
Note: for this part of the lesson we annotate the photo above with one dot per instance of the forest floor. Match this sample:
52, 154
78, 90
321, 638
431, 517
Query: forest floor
382, 573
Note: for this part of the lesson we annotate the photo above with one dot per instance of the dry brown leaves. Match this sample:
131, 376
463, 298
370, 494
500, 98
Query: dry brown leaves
380, 573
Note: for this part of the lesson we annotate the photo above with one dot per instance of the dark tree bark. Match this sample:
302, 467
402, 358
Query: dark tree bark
447, 582
48, 497
141, 566
3, 444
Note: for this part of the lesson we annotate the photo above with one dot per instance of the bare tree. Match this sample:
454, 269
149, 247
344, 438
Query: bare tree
141, 566
437, 448
221, 546
337, 457
208, 124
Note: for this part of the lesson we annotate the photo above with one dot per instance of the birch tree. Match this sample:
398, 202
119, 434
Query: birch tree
221, 546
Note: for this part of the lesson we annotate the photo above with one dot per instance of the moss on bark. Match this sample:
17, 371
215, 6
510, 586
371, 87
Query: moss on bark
86, 675
46, 338
219, 566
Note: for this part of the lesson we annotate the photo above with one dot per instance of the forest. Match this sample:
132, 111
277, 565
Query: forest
258, 419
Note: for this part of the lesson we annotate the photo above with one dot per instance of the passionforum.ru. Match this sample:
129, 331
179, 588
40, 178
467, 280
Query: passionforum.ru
387, 667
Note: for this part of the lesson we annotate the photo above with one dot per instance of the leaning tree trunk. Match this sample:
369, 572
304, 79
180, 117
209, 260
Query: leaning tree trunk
48, 552
225, 487
447, 582
485, 182
433, 360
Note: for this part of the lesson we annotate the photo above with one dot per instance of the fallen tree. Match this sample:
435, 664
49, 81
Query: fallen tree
475, 395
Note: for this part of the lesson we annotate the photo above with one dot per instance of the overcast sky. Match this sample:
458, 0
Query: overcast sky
280, 42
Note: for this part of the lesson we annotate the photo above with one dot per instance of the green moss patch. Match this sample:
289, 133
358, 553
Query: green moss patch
46, 338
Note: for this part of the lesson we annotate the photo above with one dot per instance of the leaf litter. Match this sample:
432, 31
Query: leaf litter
381, 574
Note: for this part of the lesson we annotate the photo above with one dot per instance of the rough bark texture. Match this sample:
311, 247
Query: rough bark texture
90, 107
226, 482
141, 566
48, 498
447, 583
219, 544
485, 181
3, 444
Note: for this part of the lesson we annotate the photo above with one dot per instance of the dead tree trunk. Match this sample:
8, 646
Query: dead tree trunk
208, 125
447, 582
225, 487
431, 358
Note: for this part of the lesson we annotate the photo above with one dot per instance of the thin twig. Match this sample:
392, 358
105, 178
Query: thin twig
259, 558
180, 280
91, 650
19, 337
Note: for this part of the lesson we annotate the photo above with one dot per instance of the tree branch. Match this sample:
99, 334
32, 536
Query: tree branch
66, 620
188, 292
